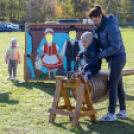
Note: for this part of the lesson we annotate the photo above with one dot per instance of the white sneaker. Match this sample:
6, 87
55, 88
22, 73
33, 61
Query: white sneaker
9, 78
14, 78
108, 117
121, 115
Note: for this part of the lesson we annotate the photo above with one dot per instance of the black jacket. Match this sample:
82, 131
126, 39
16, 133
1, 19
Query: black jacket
91, 56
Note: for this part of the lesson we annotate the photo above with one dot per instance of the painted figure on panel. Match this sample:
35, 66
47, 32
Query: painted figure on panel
71, 48
50, 58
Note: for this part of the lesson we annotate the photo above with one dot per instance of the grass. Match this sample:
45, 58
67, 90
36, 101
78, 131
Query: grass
24, 108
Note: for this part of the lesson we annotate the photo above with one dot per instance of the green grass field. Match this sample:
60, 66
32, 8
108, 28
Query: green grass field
24, 108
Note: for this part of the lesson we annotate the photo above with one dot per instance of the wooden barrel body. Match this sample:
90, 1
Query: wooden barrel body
97, 87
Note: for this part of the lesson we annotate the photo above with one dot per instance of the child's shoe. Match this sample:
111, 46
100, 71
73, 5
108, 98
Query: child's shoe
121, 114
9, 78
108, 117
14, 78
83, 79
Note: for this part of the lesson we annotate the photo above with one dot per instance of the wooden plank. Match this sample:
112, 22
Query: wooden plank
78, 105
25, 59
72, 107
61, 112
82, 108
56, 100
59, 77
89, 103
128, 72
62, 107
66, 99
87, 113
72, 85
25, 68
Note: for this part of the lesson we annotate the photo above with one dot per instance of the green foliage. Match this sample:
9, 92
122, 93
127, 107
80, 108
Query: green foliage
42, 10
12, 10
123, 6
73, 9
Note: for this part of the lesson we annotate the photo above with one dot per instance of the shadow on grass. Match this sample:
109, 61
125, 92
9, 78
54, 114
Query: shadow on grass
118, 127
129, 98
4, 98
49, 88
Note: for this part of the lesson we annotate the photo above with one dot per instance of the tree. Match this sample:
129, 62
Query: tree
12, 10
40, 10
3, 10
73, 9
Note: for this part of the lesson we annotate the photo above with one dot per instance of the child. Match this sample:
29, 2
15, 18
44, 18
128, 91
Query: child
13, 56
91, 64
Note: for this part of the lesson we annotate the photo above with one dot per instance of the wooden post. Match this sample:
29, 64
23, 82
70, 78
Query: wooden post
56, 100
78, 105
89, 103
25, 68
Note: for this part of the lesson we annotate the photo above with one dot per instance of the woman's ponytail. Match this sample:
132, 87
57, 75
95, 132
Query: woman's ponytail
95, 12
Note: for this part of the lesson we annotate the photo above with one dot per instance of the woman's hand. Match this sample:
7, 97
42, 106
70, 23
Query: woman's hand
78, 59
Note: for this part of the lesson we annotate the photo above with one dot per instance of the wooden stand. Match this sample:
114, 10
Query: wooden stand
71, 111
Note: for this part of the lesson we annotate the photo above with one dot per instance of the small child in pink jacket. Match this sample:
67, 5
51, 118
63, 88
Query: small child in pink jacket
13, 56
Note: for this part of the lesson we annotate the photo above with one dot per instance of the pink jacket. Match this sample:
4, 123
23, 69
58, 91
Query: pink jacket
13, 54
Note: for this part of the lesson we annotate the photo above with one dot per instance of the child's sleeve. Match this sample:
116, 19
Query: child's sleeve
7, 52
94, 59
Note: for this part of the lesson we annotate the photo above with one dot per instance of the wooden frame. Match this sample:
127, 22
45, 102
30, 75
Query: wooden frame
76, 114
36, 29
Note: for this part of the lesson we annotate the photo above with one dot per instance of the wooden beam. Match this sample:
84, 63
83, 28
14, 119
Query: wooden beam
56, 100
25, 68
82, 109
61, 112
89, 103
66, 99
59, 77
78, 104
87, 113
128, 72
74, 85
62, 107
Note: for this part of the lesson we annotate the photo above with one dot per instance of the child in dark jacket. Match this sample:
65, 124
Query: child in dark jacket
91, 64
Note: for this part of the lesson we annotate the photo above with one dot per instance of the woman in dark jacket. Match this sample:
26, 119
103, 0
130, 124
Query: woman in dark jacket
113, 49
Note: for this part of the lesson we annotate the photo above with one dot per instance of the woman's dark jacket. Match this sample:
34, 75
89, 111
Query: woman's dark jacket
110, 39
